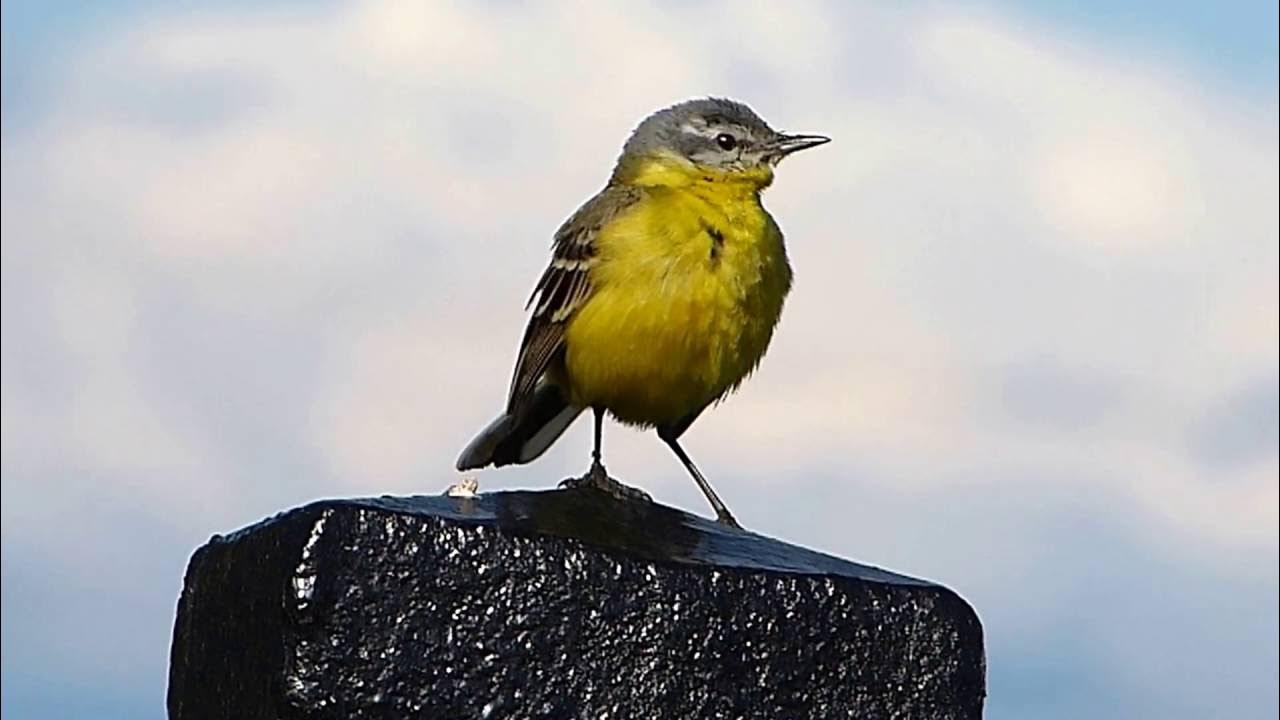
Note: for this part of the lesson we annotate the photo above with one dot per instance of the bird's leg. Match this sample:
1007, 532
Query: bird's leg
597, 477
598, 416
722, 513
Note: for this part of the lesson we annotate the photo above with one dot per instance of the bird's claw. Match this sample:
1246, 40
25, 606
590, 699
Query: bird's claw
725, 518
598, 478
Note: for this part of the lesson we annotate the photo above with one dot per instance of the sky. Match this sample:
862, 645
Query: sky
256, 254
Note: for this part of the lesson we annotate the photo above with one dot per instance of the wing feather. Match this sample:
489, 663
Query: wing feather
563, 288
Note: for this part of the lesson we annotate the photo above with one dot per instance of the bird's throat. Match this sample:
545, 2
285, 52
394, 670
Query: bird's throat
669, 170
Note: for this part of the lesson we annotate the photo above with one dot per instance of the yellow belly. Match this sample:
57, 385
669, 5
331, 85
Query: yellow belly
688, 289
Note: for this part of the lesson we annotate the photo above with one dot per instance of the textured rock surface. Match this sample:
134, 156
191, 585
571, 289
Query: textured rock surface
563, 604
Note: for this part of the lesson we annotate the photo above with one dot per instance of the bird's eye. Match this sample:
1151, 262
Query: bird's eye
726, 141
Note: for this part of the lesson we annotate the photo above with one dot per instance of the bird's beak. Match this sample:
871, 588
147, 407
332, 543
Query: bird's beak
783, 145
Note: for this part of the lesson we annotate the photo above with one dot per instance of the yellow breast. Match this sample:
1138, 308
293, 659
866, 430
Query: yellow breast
689, 285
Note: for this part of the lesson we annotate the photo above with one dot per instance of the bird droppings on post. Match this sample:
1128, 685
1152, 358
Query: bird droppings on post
465, 488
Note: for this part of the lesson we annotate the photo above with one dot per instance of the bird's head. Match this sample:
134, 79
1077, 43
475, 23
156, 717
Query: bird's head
713, 138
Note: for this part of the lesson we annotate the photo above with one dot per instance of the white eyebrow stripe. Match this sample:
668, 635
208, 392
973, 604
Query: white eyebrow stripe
704, 131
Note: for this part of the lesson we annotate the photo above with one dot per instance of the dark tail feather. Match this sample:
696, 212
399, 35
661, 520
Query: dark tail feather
511, 439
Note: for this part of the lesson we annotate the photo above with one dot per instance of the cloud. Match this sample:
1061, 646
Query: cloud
1241, 429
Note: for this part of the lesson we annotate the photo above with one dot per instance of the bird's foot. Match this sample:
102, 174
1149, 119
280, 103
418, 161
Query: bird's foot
598, 478
726, 518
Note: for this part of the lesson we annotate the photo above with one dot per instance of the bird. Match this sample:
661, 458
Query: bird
662, 294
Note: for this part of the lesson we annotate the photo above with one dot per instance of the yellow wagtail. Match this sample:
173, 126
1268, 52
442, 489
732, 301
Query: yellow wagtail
662, 293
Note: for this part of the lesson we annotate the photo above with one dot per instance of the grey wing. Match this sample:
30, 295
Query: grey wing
563, 288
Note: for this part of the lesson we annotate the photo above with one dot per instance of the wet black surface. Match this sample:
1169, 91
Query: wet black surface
561, 604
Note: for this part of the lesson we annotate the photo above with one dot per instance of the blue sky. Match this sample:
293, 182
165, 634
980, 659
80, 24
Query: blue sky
1032, 354
1232, 42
